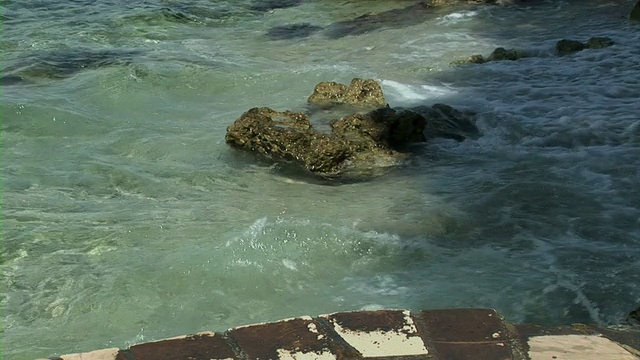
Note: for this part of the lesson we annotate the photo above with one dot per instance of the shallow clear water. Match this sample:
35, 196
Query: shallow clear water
125, 216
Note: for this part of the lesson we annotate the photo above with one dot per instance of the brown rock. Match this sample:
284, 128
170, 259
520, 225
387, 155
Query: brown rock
289, 136
364, 93
358, 145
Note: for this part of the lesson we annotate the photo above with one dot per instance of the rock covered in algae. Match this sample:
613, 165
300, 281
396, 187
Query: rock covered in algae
358, 145
360, 92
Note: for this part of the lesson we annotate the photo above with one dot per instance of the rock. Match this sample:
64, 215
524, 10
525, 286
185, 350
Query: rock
288, 136
599, 42
358, 142
634, 317
446, 122
635, 12
473, 59
381, 128
565, 46
363, 93
394, 18
64, 63
500, 54
358, 145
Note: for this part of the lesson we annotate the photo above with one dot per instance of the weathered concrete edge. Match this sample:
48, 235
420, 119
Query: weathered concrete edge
389, 334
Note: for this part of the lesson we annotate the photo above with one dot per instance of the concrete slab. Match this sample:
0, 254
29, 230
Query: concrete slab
576, 347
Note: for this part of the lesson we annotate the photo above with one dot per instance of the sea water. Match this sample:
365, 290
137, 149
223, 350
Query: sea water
126, 217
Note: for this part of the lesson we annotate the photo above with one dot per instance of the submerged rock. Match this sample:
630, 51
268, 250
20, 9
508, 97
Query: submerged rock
358, 145
292, 31
268, 5
64, 63
565, 46
446, 122
569, 46
599, 42
500, 54
473, 59
634, 317
363, 93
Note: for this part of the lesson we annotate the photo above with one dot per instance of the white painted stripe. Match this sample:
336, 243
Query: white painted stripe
385, 343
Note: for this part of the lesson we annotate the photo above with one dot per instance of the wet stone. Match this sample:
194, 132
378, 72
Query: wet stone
599, 42
383, 333
203, 346
466, 333
569, 46
464, 325
289, 339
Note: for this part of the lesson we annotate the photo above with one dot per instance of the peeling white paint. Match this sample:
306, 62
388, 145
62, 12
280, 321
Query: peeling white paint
409, 327
299, 355
383, 343
312, 327
576, 347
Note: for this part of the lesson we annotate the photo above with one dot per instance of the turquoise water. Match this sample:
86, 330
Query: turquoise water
126, 218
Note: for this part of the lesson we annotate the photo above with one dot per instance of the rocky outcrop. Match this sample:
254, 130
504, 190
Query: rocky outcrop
358, 145
363, 93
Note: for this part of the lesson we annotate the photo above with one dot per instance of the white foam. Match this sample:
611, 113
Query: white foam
456, 17
406, 93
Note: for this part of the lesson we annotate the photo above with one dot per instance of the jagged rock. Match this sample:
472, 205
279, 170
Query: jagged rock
289, 136
599, 42
635, 12
364, 93
565, 46
500, 54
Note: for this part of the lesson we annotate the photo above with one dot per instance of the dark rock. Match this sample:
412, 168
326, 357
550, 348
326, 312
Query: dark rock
364, 93
635, 12
446, 122
634, 317
599, 42
569, 46
381, 128
500, 54
292, 31
11, 80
